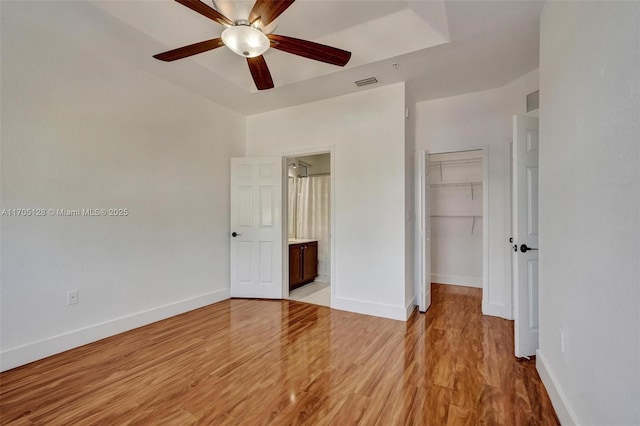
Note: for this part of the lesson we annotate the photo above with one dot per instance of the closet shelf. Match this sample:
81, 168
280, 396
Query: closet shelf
453, 162
469, 185
446, 185
456, 215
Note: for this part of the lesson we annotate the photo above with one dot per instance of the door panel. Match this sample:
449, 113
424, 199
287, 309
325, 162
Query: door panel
525, 232
266, 262
310, 262
532, 286
532, 202
295, 266
266, 206
243, 266
244, 206
256, 220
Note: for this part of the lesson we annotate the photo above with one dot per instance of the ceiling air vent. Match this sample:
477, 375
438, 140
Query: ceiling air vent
366, 81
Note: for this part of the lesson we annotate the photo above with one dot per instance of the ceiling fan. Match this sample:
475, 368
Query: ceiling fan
246, 38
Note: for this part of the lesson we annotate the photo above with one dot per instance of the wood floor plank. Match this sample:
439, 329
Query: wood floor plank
257, 362
461, 417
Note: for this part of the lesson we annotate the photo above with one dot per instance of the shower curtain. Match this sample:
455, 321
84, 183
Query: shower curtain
312, 216
293, 198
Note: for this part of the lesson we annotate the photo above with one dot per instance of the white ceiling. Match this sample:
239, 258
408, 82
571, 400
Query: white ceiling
440, 48
370, 33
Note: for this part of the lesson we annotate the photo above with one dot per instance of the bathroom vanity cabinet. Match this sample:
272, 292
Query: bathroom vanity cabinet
303, 262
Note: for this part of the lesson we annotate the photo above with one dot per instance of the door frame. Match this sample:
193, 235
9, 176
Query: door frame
485, 219
422, 230
329, 149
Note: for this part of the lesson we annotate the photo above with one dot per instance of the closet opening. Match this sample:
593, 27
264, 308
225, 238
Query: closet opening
308, 218
457, 194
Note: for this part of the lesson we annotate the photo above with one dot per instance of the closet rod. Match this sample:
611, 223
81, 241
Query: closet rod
476, 150
315, 174
456, 215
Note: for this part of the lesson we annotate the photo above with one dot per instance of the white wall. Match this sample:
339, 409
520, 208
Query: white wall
82, 130
590, 210
411, 265
483, 119
366, 130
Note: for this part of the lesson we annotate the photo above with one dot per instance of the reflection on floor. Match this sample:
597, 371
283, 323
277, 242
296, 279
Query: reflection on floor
318, 293
282, 362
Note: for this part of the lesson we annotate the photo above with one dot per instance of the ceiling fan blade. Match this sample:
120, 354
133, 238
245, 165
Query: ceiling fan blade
190, 50
311, 50
268, 10
260, 72
205, 10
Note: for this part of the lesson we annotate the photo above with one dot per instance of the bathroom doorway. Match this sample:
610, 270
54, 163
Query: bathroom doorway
308, 221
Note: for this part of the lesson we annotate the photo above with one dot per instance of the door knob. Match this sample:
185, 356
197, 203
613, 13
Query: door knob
235, 234
524, 248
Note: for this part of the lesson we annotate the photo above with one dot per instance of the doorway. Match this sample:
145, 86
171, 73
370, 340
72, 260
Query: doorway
453, 248
308, 228
456, 188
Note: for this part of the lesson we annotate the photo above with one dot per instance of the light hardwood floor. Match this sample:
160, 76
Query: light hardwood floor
255, 362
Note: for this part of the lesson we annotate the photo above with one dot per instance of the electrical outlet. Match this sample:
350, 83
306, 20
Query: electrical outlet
72, 297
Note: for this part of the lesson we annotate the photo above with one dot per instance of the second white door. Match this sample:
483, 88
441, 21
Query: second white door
525, 234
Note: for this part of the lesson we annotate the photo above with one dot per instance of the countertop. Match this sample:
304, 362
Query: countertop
300, 241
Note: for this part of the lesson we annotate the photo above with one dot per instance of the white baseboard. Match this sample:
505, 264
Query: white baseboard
411, 306
565, 413
368, 308
323, 278
457, 280
15, 357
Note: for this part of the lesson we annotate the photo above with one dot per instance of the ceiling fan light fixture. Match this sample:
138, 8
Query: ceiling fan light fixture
245, 40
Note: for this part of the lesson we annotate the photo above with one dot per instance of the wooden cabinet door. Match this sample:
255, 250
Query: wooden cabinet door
295, 265
310, 262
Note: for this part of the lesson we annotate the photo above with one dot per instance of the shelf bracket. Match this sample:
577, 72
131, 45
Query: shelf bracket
441, 180
471, 191
473, 224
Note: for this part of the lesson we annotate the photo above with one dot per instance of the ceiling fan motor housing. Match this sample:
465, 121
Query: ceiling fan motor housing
245, 40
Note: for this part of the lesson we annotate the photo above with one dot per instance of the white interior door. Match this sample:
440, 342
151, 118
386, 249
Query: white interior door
423, 231
256, 227
525, 234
